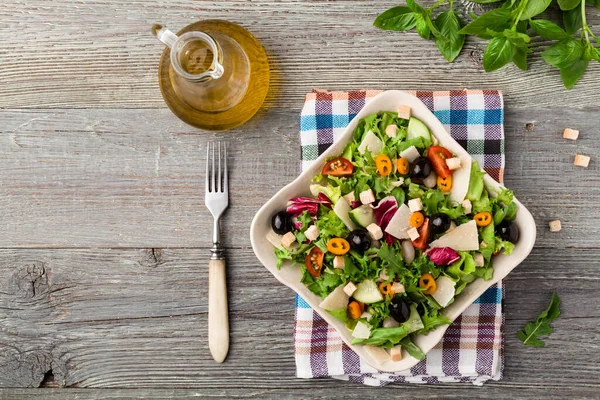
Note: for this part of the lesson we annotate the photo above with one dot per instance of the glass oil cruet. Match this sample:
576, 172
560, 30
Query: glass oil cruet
213, 74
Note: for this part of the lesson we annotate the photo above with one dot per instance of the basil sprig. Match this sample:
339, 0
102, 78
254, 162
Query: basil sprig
508, 28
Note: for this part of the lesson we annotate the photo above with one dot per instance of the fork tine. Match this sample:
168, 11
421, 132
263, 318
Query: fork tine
207, 168
225, 177
212, 174
219, 176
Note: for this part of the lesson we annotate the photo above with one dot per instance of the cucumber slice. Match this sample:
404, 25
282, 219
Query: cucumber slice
367, 292
416, 128
363, 216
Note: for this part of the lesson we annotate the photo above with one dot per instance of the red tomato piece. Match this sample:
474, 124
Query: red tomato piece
437, 156
314, 262
423, 239
338, 167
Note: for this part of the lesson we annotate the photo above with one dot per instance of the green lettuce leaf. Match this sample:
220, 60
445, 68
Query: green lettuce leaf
475, 182
389, 337
412, 349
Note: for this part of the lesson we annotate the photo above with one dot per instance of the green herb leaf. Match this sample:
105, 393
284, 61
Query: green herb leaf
412, 349
495, 20
564, 53
396, 19
520, 58
422, 26
516, 38
566, 5
572, 20
448, 23
484, 1
573, 73
548, 29
534, 7
541, 326
475, 182
498, 53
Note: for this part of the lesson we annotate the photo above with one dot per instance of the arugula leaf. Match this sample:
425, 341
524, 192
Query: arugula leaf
432, 320
399, 18
548, 29
566, 5
322, 285
392, 261
448, 23
541, 326
564, 53
498, 53
534, 7
496, 19
573, 73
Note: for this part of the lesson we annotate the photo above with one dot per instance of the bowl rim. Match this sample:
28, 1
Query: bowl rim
524, 221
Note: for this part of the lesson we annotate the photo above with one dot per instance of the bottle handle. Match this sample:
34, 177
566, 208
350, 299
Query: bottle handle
164, 35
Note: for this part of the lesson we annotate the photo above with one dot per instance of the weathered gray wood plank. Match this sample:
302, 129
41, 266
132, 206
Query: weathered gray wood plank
136, 318
101, 54
134, 178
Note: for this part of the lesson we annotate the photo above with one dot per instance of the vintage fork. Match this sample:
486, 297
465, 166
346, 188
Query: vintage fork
217, 200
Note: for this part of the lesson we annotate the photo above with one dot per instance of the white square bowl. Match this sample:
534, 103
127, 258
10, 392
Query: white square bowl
290, 276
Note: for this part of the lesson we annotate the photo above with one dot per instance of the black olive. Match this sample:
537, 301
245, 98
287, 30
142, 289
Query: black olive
439, 223
420, 169
508, 231
399, 310
281, 223
359, 240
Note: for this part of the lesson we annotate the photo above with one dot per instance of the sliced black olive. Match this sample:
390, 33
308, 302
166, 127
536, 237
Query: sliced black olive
420, 169
281, 223
359, 240
399, 310
439, 223
508, 231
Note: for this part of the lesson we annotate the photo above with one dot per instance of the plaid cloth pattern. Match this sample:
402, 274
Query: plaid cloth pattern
472, 347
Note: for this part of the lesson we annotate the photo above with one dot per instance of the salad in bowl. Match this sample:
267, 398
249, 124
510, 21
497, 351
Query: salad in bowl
396, 226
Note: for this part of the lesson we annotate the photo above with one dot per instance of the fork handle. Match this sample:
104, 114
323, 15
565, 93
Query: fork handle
218, 319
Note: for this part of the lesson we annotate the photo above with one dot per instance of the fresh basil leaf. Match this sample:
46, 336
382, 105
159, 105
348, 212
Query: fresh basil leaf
415, 7
541, 326
484, 1
564, 53
448, 23
596, 54
517, 38
573, 73
572, 21
422, 26
396, 19
498, 53
548, 29
520, 58
534, 7
566, 5
496, 20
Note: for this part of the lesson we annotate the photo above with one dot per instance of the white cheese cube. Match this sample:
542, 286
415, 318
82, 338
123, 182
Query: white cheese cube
287, 240
404, 112
398, 288
555, 226
396, 353
413, 233
581, 160
338, 262
571, 134
375, 231
312, 233
350, 288
479, 260
453, 163
383, 276
391, 130
415, 205
467, 206
367, 197
411, 154
361, 331
350, 197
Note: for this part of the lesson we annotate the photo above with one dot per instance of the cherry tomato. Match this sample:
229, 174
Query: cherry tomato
314, 262
437, 156
424, 233
338, 167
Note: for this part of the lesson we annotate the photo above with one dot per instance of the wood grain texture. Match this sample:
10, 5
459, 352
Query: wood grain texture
134, 178
101, 53
138, 318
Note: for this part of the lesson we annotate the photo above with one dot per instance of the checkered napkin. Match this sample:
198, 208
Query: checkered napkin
472, 348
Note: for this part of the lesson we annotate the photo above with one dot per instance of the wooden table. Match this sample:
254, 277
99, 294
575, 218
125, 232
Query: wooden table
105, 237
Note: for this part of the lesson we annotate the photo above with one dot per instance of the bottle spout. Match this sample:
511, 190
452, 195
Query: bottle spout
164, 35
